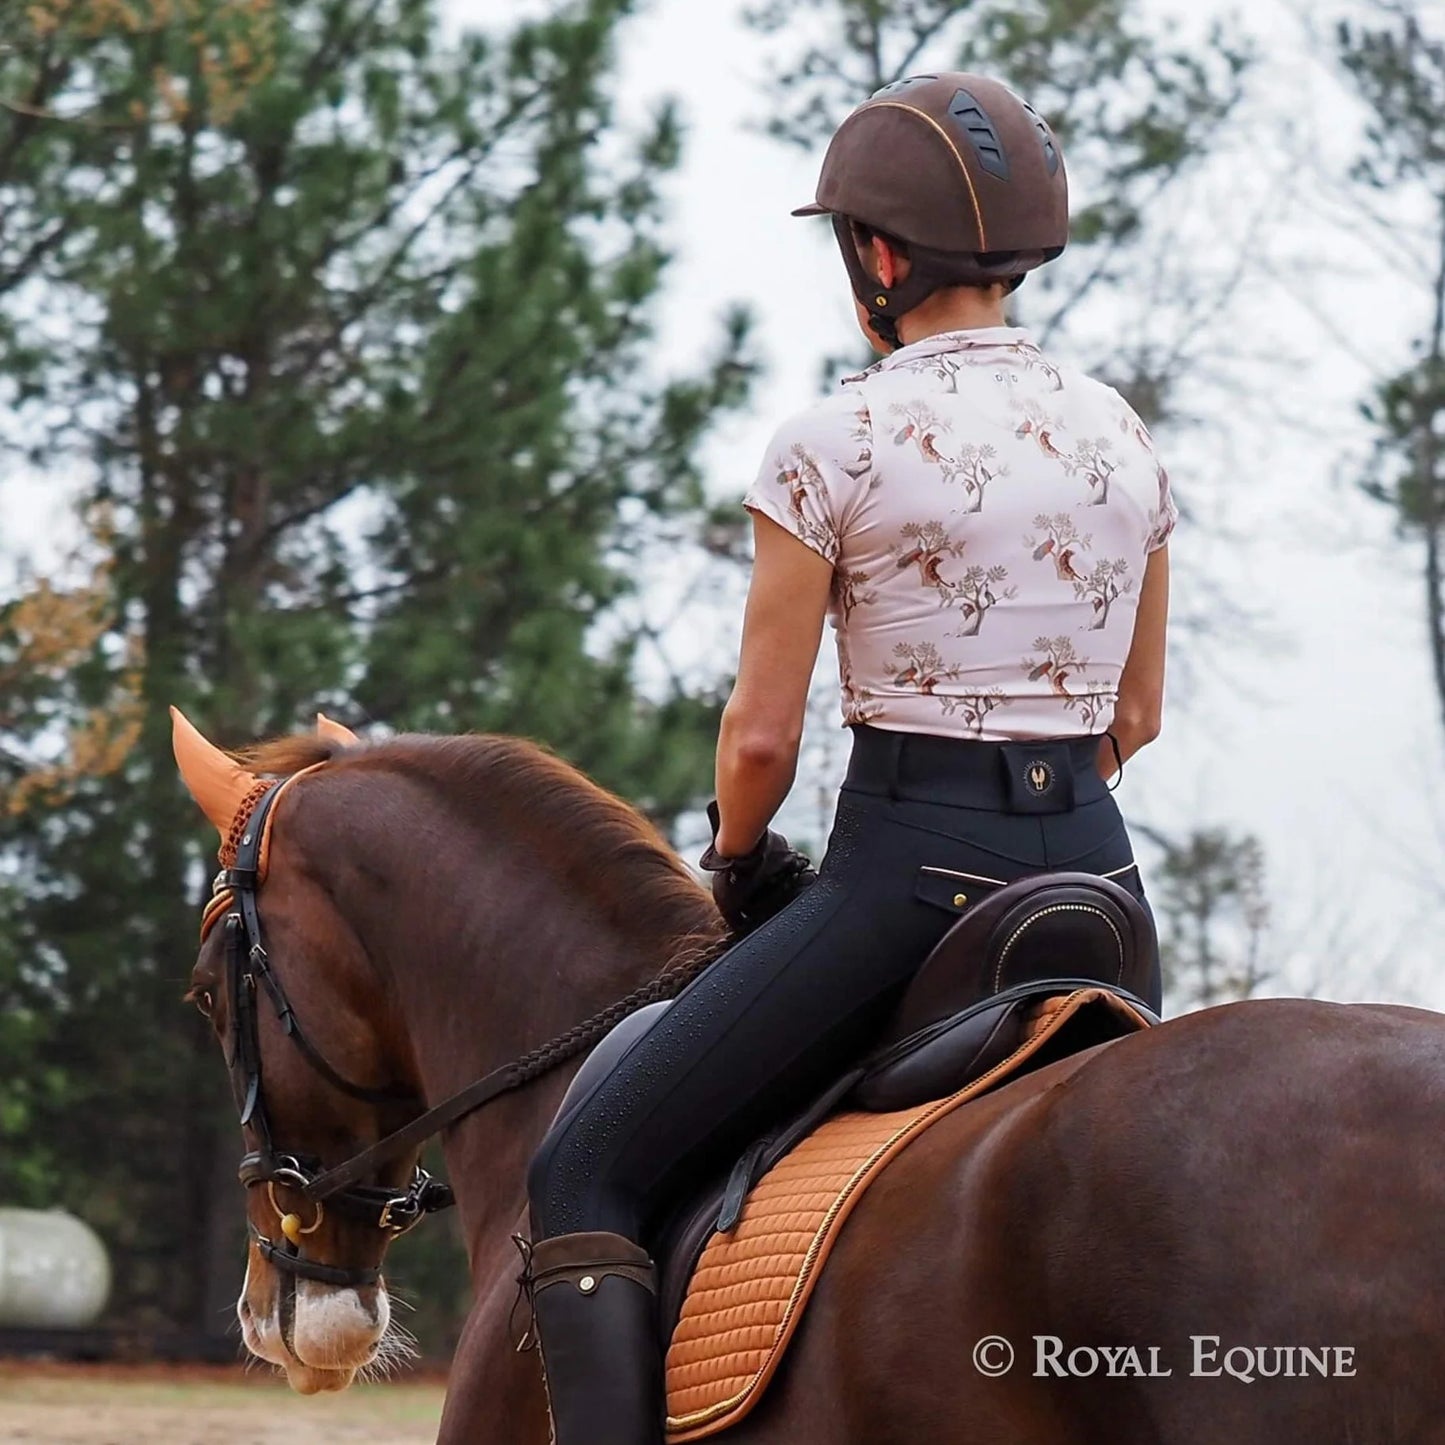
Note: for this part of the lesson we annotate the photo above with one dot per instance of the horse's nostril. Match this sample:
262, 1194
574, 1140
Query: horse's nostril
245, 1309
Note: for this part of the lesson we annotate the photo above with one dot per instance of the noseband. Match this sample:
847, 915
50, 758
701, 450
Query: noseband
248, 973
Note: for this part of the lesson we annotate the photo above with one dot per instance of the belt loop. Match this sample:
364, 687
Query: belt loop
895, 761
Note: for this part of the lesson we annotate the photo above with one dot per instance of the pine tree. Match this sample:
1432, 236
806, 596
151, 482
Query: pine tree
1397, 64
1209, 894
347, 327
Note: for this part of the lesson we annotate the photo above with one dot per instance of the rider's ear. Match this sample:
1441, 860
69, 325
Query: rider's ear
884, 262
217, 782
891, 261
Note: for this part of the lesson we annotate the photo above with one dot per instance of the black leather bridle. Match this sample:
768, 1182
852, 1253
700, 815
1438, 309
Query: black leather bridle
248, 973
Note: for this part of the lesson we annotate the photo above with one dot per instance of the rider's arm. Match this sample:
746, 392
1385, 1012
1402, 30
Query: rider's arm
1139, 711
762, 725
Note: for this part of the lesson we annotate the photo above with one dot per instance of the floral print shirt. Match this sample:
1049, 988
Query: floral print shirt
988, 514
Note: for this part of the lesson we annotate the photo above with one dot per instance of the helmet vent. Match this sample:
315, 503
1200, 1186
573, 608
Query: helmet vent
974, 121
1046, 139
898, 86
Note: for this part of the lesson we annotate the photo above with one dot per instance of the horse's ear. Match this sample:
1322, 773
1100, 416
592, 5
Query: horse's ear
217, 782
335, 732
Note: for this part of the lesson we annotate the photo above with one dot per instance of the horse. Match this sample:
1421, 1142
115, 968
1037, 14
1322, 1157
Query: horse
1224, 1228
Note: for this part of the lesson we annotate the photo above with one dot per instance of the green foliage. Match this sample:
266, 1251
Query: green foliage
1398, 68
1397, 65
349, 330
1405, 410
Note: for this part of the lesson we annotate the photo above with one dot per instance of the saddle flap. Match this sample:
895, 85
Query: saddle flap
1075, 1014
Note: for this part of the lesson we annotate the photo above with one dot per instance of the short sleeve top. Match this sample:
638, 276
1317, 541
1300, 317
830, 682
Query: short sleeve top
988, 514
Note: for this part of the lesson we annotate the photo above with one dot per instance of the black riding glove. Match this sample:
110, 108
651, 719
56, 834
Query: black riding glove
750, 889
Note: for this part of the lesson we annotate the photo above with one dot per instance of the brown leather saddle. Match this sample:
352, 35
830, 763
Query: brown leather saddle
968, 1006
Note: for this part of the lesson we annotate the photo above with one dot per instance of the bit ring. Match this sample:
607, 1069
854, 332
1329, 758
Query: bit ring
291, 1225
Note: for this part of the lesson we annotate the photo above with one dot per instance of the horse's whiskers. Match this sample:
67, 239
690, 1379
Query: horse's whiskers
396, 1349
398, 1343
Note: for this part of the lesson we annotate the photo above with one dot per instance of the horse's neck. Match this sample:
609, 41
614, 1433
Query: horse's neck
487, 1154
500, 961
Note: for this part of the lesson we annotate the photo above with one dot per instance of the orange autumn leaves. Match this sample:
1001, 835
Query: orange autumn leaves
46, 750
217, 52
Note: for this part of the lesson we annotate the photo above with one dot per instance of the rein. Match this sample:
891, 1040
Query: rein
249, 970
516, 1075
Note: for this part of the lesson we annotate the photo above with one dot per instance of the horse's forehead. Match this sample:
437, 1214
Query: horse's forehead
242, 821
223, 897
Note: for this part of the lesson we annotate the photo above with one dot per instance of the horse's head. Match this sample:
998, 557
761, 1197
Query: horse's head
318, 1073
360, 959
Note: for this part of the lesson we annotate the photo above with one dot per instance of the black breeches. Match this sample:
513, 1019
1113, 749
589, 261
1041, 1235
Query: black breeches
781, 1014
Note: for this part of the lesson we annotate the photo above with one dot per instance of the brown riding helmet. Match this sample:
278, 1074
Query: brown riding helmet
957, 166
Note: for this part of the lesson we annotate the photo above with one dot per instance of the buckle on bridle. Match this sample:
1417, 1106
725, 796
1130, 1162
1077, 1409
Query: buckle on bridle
398, 1214
424, 1196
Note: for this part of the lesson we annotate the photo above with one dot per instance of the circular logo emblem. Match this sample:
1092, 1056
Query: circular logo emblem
1040, 777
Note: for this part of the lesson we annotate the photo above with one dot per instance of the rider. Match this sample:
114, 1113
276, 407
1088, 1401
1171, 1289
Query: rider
987, 528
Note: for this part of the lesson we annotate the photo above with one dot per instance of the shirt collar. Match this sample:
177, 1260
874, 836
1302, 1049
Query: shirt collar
982, 338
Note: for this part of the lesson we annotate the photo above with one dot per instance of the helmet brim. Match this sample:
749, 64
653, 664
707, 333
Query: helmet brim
812, 209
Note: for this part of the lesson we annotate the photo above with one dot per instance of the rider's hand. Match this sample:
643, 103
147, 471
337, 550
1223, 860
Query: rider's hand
752, 887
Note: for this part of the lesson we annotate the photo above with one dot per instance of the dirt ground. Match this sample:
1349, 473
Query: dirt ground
111, 1405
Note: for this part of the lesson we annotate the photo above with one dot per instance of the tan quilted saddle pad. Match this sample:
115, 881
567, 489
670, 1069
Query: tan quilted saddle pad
750, 1288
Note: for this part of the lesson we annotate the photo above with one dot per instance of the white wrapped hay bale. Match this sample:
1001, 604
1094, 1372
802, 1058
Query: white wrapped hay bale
54, 1273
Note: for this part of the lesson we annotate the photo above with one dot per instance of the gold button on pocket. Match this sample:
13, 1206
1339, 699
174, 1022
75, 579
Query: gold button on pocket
951, 889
